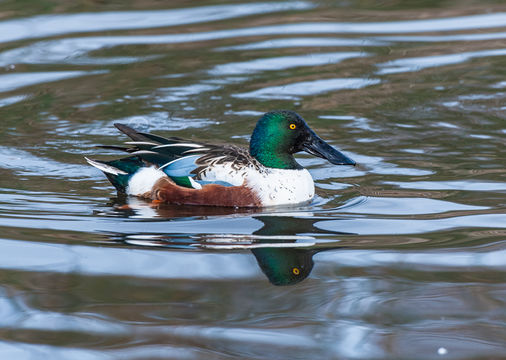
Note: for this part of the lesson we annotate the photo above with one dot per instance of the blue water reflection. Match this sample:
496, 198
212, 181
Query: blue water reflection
14, 81
295, 91
51, 25
283, 62
420, 63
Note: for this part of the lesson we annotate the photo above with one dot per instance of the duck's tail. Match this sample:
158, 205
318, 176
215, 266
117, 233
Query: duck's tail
118, 171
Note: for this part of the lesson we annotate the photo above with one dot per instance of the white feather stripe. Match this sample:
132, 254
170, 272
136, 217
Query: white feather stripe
196, 150
194, 184
140, 152
179, 145
105, 168
140, 143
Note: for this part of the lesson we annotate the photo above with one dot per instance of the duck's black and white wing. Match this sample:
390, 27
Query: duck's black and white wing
188, 163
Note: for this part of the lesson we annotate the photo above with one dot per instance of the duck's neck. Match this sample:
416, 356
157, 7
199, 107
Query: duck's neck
272, 158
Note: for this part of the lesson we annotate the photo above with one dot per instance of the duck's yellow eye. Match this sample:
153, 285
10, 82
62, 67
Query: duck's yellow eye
296, 271
293, 126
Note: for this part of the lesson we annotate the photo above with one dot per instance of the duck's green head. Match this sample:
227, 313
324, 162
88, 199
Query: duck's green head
280, 134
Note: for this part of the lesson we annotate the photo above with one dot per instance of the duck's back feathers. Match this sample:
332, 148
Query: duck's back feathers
187, 163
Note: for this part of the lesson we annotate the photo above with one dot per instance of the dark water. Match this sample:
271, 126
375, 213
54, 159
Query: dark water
409, 247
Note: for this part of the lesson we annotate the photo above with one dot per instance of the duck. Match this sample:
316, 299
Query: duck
173, 170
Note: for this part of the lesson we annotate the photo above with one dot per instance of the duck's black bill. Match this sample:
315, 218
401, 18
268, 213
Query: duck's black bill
317, 147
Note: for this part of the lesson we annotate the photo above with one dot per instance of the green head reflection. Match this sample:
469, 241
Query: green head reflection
289, 263
284, 266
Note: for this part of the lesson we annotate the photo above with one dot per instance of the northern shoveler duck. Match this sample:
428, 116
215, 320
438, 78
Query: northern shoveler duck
177, 171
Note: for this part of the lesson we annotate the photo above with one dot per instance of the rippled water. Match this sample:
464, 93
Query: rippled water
403, 256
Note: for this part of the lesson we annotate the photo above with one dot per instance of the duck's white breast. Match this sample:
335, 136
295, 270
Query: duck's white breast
272, 186
281, 187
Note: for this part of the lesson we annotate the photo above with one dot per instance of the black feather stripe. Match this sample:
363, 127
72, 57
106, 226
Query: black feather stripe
131, 133
138, 147
161, 139
157, 159
113, 147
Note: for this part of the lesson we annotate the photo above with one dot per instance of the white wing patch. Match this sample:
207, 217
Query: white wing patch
224, 172
144, 180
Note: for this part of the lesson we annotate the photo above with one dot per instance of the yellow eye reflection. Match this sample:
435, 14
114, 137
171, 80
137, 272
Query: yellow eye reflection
293, 126
296, 271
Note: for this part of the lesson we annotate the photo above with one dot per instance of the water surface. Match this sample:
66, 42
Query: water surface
403, 256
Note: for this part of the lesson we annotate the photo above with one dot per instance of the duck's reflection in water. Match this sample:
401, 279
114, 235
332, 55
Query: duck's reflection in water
283, 247
287, 261
285, 266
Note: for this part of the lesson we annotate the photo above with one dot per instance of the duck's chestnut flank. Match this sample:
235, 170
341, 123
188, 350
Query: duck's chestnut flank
167, 191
